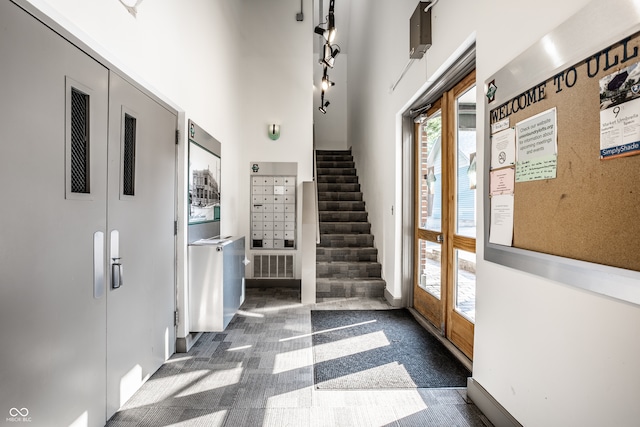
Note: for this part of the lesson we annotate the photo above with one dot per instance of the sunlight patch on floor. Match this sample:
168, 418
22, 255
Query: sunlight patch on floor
371, 375
242, 347
291, 360
249, 314
210, 380
327, 330
350, 346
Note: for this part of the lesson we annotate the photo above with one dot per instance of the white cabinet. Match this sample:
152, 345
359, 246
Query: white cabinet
216, 282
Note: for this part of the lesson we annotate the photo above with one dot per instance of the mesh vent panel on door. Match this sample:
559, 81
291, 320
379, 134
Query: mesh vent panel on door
79, 142
129, 156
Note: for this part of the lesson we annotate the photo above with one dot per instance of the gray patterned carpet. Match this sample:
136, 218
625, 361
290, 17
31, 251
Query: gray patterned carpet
379, 349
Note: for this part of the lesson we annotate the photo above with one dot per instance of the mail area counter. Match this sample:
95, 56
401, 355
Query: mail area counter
216, 282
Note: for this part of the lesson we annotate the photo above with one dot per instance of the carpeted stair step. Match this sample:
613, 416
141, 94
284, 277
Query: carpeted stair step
333, 152
328, 205
343, 216
346, 254
348, 270
335, 158
345, 228
339, 195
347, 288
336, 171
337, 179
324, 187
346, 240
325, 164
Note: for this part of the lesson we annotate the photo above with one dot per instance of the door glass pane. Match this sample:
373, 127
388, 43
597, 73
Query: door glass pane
430, 182
429, 269
465, 290
466, 164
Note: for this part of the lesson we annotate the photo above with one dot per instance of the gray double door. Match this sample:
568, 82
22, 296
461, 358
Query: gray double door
87, 247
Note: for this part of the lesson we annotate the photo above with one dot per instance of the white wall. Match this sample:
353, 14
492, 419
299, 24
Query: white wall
277, 87
552, 355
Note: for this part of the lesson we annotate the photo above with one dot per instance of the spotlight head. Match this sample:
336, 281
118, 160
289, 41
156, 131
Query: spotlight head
329, 56
326, 83
331, 31
323, 108
319, 30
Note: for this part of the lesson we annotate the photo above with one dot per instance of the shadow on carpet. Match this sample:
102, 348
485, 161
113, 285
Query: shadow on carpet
379, 349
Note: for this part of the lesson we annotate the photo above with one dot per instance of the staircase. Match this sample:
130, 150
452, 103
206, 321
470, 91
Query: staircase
346, 261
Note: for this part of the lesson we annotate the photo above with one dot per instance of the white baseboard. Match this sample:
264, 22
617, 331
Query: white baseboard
395, 302
490, 407
183, 345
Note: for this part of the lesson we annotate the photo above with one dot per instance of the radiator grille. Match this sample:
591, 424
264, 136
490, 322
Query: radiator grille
273, 266
129, 156
79, 142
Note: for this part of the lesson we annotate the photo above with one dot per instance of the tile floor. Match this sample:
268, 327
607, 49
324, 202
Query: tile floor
259, 372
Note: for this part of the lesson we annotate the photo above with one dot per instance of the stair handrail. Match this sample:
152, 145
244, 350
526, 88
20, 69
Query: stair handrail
315, 188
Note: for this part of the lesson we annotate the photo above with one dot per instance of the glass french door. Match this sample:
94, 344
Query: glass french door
445, 214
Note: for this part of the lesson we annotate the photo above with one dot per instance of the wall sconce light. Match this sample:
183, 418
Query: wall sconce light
273, 131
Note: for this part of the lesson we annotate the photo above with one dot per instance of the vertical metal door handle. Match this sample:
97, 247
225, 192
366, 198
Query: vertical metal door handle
116, 265
116, 273
98, 264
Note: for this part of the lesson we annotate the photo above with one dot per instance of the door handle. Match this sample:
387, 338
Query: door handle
116, 273
116, 265
440, 238
98, 264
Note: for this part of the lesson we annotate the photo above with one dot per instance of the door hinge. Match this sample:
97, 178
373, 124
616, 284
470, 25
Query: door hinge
177, 136
175, 318
175, 228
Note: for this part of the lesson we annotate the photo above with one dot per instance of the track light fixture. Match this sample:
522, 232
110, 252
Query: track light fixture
323, 107
332, 26
329, 33
330, 53
326, 83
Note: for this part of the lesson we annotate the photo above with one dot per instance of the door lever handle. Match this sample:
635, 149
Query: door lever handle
116, 273
440, 238
116, 265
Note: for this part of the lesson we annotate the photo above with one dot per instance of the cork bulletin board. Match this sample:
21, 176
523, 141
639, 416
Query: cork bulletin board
564, 202
591, 210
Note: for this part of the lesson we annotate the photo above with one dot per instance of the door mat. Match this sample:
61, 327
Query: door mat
379, 349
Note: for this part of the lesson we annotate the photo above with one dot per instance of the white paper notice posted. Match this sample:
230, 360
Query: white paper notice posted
537, 147
540, 168
501, 231
503, 148
501, 181
620, 113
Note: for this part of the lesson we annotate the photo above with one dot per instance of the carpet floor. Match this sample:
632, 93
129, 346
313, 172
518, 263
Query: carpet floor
379, 349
